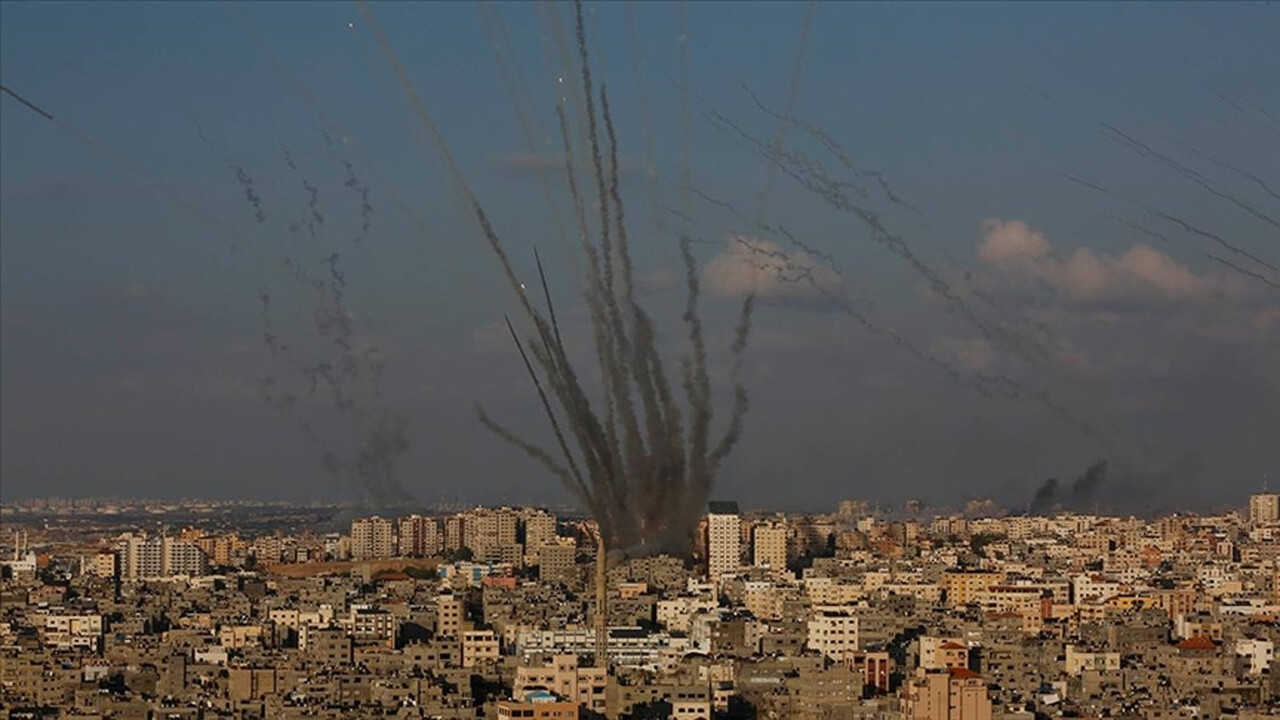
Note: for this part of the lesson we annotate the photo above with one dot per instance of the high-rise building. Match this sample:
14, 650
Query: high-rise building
769, 545
372, 537
539, 529
418, 536
146, 557
723, 539
1264, 508
485, 529
453, 531
183, 557
556, 563
140, 557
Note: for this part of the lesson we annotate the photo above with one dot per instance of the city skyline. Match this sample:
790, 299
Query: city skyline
489, 612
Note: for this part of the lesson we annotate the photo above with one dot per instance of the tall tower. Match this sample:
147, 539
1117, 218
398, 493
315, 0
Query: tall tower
724, 539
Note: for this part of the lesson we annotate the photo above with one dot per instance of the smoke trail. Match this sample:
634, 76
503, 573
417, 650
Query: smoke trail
1153, 212
353, 183
1220, 260
238, 240
1138, 228
1228, 166
1210, 236
836, 150
1243, 271
384, 442
495, 31
338, 373
646, 121
779, 135
332, 130
989, 385
1271, 122
686, 117
242, 176
1146, 151
805, 173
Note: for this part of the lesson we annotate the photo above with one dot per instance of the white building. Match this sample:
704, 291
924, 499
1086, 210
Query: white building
1258, 654
140, 557
73, 631
23, 561
833, 631
724, 539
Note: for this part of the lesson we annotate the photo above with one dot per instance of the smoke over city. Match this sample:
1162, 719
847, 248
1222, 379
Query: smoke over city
1081, 496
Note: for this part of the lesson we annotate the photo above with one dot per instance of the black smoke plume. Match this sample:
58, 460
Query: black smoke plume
1080, 497
1085, 489
1043, 502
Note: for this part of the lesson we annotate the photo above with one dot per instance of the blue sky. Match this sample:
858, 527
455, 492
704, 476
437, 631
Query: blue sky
132, 331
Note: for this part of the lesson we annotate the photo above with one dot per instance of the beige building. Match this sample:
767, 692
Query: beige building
723, 539
556, 563
539, 530
965, 586
942, 653
1077, 661
1264, 508
372, 537
479, 647
769, 545
418, 536
485, 529
103, 564
563, 677
454, 527
538, 708
450, 614
833, 631
956, 694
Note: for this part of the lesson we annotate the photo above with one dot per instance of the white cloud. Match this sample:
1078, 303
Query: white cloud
1142, 273
748, 264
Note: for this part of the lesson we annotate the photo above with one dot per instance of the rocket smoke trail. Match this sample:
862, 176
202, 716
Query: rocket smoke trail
1144, 150
1156, 213
640, 461
779, 135
380, 443
809, 175
1261, 183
